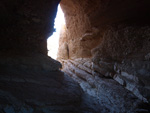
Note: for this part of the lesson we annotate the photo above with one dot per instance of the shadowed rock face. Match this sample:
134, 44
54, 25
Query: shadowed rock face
26, 25
30, 81
27, 86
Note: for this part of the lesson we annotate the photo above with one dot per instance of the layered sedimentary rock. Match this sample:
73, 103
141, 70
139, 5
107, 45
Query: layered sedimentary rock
108, 51
126, 58
115, 92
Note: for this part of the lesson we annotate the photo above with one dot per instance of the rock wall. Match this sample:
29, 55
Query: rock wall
118, 93
109, 53
106, 50
30, 81
35, 85
87, 21
26, 25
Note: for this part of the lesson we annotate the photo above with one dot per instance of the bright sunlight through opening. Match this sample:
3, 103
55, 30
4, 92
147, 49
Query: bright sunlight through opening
53, 41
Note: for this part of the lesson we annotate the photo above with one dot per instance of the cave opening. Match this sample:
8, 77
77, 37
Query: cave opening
53, 40
103, 56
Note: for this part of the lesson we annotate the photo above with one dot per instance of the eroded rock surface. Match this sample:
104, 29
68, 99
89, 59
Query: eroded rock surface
121, 65
114, 92
108, 45
26, 25
104, 47
35, 85
30, 81
87, 21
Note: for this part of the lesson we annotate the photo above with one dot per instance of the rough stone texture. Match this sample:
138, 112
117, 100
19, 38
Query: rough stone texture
79, 32
63, 51
112, 96
109, 51
87, 21
113, 34
30, 81
31, 86
124, 42
26, 25
124, 56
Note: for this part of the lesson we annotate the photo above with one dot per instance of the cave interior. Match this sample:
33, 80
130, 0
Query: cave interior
103, 59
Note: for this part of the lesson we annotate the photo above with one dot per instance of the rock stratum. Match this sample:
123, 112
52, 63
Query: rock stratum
114, 87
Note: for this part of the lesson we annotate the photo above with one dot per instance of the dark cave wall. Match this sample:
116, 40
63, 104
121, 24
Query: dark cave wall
26, 25
30, 81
